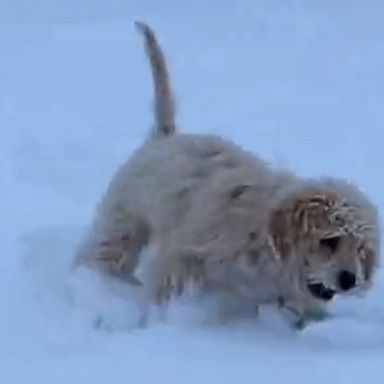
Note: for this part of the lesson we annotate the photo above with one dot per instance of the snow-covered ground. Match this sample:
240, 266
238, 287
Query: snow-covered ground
300, 82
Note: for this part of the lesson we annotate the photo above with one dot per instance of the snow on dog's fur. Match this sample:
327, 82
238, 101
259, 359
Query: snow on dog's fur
221, 217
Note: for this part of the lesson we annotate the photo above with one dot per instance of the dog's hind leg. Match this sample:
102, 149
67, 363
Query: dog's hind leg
114, 250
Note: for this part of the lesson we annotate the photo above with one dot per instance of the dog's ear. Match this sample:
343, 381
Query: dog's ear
296, 219
308, 210
312, 213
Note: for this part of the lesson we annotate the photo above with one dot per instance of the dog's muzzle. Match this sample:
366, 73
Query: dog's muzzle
320, 291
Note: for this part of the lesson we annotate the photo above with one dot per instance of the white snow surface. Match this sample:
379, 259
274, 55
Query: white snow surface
299, 82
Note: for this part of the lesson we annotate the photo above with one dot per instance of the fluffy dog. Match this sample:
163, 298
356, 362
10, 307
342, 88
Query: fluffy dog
221, 217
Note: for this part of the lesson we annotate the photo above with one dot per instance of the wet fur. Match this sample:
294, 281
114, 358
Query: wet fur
220, 216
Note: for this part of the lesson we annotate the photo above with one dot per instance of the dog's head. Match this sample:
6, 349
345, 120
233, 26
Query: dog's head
331, 231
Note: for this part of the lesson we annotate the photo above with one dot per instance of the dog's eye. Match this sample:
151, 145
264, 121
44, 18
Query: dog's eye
238, 191
332, 243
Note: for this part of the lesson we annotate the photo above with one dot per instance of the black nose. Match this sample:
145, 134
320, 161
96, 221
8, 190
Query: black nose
347, 280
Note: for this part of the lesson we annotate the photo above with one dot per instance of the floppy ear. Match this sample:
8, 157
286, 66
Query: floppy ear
310, 211
296, 219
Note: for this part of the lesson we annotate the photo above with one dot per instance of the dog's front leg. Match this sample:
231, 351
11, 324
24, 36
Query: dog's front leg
174, 273
301, 312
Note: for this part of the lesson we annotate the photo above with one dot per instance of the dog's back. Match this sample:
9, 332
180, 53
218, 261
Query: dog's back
151, 193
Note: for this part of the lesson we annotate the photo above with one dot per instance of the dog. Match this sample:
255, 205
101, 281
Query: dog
220, 218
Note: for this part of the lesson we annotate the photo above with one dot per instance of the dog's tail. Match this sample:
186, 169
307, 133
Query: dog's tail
163, 104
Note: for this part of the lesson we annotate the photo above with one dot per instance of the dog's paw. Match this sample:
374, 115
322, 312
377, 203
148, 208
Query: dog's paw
127, 319
299, 315
106, 303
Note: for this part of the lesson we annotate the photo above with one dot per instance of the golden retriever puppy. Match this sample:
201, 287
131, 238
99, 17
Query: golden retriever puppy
223, 219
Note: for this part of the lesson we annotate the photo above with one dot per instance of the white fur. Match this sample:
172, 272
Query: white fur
207, 206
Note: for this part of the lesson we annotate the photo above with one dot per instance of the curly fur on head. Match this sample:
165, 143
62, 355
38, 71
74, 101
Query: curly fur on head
320, 212
331, 230
220, 216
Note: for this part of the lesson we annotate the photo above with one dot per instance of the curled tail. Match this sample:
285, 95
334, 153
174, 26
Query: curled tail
163, 103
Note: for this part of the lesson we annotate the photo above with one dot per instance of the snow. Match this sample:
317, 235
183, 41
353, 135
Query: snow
300, 83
